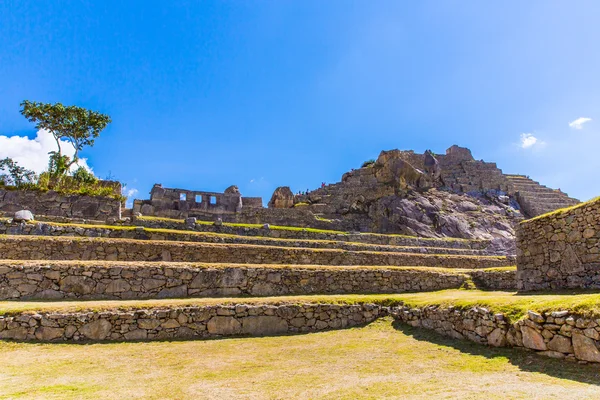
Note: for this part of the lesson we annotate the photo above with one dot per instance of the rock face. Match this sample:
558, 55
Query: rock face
282, 198
392, 168
233, 189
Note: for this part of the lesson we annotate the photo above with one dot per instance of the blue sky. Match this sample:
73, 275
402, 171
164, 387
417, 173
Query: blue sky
206, 94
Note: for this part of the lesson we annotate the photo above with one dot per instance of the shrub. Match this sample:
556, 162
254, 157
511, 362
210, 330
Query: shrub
11, 174
368, 163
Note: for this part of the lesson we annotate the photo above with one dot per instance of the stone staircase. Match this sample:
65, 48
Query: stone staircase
536, 199
142, 283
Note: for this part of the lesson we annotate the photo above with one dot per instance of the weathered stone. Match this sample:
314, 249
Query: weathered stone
96, 330
532, 339
560, 343
224, 326
585, 348
80, 285
264, 325
497, 338
282, 198
46, 333
138, 334
23, 216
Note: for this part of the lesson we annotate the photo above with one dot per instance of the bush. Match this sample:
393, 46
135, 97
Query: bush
82, 175
368, 163
11, 174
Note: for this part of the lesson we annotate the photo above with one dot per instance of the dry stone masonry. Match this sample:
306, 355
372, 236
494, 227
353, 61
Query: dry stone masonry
55, 204
193, 322
67, 248
560, 250
557, 334
89, 280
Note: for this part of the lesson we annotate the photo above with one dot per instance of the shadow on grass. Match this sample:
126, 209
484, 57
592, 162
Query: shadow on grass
524, 359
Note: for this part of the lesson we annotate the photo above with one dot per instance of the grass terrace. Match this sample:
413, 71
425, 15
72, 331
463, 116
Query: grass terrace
512, 304
380, 360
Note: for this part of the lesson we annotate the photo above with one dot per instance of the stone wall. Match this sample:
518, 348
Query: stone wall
53, 203
183, 203
560, 250
559, 334
371, 238
492, 279
194, 322
139, 233
66, 248
58, 280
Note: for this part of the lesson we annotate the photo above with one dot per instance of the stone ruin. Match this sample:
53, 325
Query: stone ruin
183, 203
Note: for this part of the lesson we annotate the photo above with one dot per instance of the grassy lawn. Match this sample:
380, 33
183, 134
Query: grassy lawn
512, 304
373, 362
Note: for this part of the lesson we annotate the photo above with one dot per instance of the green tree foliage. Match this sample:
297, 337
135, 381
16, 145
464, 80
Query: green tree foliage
14, 175
77, 125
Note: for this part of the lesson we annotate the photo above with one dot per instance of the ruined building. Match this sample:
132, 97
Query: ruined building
403, 192
182, 203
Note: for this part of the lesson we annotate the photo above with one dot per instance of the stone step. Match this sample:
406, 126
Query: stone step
67, 248
78, 321
45, 229
52, 280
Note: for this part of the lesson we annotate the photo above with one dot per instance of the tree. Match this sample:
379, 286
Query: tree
17, 176
76, 125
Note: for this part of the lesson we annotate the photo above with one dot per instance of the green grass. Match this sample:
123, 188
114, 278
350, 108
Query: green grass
377, 361
511, 304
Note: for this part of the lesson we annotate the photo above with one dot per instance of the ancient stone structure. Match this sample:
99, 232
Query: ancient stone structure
67, 248
183, 203
412, 245
187, 322
89, 280
558, 334
53, 203
560, 250
282, 198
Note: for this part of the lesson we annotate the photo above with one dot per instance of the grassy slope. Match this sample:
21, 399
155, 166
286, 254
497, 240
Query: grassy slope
513, 305
372, 362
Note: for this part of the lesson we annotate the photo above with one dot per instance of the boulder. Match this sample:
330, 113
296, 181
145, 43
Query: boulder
561, 343
282, 198
23, 216
233, 189
224, 326
392, 169
96, 330
532, 339
585, 348
264, 325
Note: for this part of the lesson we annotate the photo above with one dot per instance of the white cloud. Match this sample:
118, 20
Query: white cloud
129, 193
529, 141
33, 153
578, 123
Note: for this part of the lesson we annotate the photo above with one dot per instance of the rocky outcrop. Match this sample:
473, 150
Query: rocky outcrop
282, 198
392, 169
